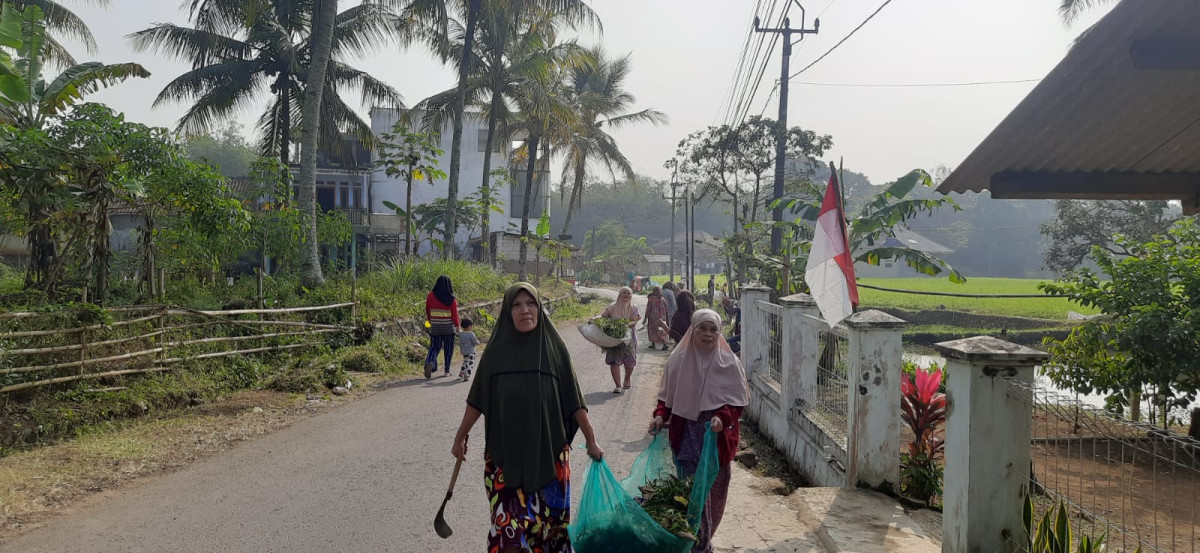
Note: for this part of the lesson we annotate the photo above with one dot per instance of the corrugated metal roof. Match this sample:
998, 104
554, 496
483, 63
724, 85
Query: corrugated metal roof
1098, 115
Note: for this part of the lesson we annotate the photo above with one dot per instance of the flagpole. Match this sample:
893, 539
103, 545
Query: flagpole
842, 208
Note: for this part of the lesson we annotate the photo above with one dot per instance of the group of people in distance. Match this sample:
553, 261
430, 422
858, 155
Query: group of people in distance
527, 391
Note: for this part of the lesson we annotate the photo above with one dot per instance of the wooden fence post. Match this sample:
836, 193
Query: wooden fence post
353, 296
163, 341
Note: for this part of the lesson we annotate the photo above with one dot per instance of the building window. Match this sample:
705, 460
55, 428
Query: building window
482, 146
358, 197
345, 197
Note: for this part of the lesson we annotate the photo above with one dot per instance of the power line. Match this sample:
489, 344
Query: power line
746, 65
844, 39
915, 85
744, 104
733, 82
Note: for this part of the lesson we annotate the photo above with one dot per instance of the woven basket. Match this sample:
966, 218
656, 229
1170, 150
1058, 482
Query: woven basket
596, 335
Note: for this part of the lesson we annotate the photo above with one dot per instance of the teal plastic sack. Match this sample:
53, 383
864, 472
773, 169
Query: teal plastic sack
610, 519
654, 462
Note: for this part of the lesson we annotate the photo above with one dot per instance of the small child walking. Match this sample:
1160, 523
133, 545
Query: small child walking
466, 344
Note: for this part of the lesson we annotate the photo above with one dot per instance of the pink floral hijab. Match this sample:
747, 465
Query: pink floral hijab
695, 382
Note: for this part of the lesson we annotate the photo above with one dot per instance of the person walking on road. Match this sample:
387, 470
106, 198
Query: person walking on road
704, 383
668, 293
527, 392
466, 343
712, 291
623, 308
682, 320
656, 319
441, 320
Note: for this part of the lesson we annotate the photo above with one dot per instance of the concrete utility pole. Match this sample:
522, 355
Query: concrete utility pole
781, 139
674, 196
691, 245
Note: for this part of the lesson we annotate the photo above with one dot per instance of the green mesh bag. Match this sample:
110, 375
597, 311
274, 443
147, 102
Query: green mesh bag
610, 519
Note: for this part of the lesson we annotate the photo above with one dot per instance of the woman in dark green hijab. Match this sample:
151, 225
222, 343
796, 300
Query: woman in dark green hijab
529, 398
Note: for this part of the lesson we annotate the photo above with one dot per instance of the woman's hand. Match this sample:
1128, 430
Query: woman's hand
655, 425
459, 451
595, 451
717, 425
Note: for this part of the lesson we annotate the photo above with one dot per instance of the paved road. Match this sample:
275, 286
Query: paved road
368, 476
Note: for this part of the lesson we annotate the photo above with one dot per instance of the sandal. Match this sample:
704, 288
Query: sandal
617, 390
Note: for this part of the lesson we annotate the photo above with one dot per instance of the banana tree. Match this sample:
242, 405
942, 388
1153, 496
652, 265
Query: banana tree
877, 221
27, 100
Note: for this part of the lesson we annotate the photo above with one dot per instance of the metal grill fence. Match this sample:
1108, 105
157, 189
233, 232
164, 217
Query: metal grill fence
831, 408
774, 320
1136, 484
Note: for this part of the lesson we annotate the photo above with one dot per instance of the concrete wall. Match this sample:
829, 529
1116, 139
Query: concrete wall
870, 455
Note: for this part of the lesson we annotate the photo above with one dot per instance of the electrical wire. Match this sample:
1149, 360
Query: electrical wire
844, 39
914, 85
744, 104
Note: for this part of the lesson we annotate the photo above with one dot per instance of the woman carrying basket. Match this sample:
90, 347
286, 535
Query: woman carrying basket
623, 308
703, 383
527, 393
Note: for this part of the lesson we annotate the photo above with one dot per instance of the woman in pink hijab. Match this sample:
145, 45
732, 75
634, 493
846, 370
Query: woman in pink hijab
703, 383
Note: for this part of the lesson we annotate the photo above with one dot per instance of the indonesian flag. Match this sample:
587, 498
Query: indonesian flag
830, 270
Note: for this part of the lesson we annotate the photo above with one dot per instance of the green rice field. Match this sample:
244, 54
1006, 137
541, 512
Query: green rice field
1042, 308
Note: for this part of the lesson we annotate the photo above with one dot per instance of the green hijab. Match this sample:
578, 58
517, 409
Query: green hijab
527, 391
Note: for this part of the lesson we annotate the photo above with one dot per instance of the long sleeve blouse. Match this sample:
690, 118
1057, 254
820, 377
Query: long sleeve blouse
435, 310
727, 439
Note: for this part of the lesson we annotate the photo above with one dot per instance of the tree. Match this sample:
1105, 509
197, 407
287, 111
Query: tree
596, 88
877, 220
611, 250
513, 42
239, 49
26, 102
1148, 338
226, 150
321, 48
413, 155
1070, 10
26, 98
60, 20
1081, 225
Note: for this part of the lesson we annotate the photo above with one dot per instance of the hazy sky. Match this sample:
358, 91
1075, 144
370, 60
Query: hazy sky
685, 53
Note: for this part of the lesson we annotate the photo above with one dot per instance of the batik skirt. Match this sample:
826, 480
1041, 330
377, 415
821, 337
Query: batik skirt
534, 522
689, 458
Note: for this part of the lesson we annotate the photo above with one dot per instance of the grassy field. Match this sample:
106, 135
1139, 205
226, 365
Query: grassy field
1042, 308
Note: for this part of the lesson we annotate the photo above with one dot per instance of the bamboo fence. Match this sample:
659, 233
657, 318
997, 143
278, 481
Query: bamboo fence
141, 340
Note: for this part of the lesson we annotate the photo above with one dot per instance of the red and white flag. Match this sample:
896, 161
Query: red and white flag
830, 270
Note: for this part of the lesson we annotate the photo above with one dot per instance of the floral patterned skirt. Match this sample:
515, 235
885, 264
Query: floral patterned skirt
534, 522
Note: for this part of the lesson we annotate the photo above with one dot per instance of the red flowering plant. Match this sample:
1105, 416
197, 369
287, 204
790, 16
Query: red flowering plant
923, 410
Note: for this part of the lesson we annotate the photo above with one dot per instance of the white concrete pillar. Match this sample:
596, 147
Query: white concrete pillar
988, 430
873, 382
755, 340
801, 348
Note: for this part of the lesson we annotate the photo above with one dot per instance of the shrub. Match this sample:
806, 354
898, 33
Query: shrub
1054, 534
363, 361
923, 410
334, 375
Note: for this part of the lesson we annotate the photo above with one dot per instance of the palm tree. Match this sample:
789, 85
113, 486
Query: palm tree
61, 21
574, 12
510, 47
321, 47
1071, 9
597, 90
238, 48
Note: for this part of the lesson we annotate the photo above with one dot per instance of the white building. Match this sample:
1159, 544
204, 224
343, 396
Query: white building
386, 225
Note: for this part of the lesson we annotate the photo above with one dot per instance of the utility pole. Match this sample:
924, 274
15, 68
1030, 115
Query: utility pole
781, 138
674, 196
691, 246
687, 255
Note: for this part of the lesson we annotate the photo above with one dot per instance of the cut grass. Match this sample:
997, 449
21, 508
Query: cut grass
1040, 308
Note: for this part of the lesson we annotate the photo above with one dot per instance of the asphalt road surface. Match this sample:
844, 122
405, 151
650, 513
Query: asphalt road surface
366, 477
